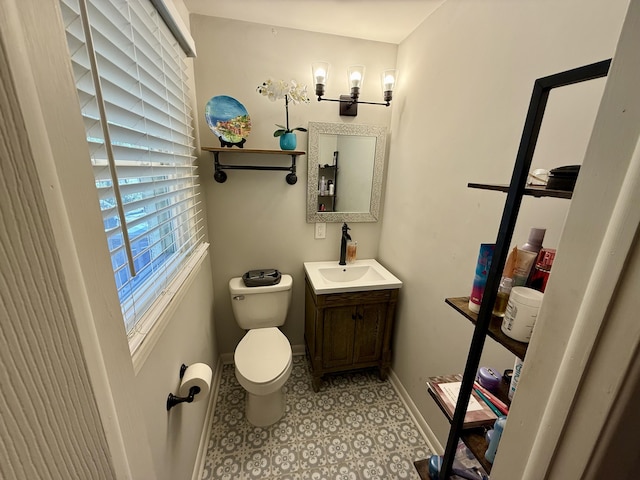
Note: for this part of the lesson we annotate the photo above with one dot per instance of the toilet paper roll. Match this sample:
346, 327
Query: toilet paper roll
196, 375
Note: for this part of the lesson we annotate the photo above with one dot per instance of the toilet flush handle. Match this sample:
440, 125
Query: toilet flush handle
238, 297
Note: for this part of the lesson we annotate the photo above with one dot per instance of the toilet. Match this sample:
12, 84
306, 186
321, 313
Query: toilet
263, 356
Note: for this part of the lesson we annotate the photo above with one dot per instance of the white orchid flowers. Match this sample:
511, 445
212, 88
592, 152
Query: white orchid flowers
291, 92
279, 89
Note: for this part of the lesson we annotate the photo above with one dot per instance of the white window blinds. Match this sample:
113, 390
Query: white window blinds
131, 79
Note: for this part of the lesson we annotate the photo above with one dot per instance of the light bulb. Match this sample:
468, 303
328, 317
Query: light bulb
388, 80
356, 76
319, 72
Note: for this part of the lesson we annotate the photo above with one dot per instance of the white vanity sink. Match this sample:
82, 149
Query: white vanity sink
362, 275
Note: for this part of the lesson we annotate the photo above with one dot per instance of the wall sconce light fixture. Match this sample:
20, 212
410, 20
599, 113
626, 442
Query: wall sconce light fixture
349, 103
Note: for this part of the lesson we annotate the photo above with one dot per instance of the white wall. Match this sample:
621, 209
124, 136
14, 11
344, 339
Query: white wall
466, 78
257, 220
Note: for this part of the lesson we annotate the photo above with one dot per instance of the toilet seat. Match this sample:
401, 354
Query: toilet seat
262, 355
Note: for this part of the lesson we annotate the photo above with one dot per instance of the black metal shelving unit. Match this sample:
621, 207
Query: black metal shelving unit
515, 191
331, 173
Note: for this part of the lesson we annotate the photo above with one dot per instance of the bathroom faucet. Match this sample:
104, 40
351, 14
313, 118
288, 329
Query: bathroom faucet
343, 244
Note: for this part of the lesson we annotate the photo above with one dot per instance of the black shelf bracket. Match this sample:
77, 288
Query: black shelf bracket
221, 176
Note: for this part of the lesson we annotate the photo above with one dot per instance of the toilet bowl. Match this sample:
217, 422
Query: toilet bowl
263, 361
263, 358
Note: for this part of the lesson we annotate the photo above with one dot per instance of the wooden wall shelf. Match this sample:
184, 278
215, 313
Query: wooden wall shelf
461, 305
221, 176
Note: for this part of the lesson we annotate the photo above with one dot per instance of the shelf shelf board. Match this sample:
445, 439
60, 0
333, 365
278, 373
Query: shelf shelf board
474, 440
422, 467
532, 190
472, 437
461, 304
253, 150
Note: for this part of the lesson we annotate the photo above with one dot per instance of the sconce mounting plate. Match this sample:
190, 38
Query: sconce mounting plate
348, 108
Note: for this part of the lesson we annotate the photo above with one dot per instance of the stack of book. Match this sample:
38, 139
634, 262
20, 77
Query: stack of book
445, 389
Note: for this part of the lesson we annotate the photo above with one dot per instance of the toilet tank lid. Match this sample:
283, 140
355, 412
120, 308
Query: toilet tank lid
237, 286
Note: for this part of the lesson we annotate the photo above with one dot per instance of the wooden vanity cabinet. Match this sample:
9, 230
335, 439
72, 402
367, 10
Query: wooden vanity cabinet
348, 331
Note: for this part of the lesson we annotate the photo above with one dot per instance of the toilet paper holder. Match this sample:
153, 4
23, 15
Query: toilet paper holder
173, 400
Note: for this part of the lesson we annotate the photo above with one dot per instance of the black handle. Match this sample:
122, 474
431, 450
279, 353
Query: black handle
172, 400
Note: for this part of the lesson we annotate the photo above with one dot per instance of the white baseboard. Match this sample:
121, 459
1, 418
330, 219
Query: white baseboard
432, 442
298, 349
207, 424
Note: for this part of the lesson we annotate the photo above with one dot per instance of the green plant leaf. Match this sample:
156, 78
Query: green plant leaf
279, 133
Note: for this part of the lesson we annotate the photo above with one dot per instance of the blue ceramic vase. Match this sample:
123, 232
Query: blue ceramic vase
288, 141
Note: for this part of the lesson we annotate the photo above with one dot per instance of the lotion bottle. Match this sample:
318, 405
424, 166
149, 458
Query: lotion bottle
480, 278
323, 186
534, 243
498, 427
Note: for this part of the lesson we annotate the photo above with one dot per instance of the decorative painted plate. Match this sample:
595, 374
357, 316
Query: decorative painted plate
228, 120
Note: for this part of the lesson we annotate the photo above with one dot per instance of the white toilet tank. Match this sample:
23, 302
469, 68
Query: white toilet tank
260, 307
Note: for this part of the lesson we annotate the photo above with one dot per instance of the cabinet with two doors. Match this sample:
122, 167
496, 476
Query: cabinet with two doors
348, 331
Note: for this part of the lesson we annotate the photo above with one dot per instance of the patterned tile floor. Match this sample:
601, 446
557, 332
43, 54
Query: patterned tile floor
355, 428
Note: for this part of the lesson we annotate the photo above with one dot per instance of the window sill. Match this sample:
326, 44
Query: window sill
152, 325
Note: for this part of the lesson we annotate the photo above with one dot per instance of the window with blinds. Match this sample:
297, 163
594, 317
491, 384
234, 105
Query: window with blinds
130, 74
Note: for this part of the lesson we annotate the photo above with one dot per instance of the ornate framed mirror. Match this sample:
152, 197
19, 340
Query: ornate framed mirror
345, 172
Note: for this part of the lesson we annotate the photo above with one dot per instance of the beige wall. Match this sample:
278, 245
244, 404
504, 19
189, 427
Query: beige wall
174, 437
257, 220
467, 77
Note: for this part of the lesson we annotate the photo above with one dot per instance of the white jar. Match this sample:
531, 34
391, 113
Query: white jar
521, 313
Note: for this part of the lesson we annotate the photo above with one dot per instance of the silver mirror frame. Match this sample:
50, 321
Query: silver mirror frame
318, 128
